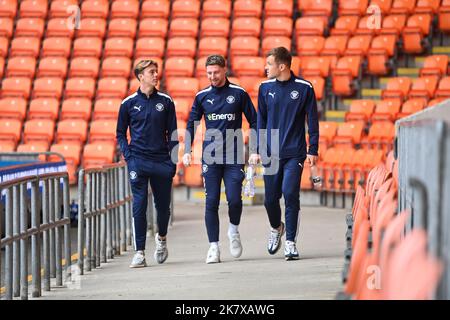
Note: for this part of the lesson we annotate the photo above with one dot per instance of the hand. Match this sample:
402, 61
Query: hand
254, 159
187, 158
312, 160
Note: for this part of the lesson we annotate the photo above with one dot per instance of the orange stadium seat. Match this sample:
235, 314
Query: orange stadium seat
315, 7
16, 87
348, 134
435, 101
181, 46
381, 136
386, 110
14, 108
347, 69
76, 108
383, 47
244, 46
179, 66
216, 8
327, 131
393, 24
2, 66
10, 131
435, 65
44, 108
360, 110
186, 8
383, 5
34, 147
52, 67
25, 46
8, 8
444, 16
80, 87
4, 45
182, 87
7, 146
87, 47
133, 86
271, 42
335, 45
318, 85
212, 45
6, 27
155, 9
122, 27
112, 87
30, 27
397, 88
411, 106
345, 25
417, 28
215, 27
278, 8
57, 27
33, 9
352, 7
97, 154
72, 130
427, 6
107, 108
153, 27
315, 66
182, 108
403, 6
103, 130
125, 9
358, 45
310, 45
84, 67
310, 25
92, 27
39, 129
423, 87
246, 26
62, 8
119, 47
247, 8
369, 25
150, 46
184, 27
248, 66
21, 67
48, 87
94, 9
116, 67
70, 151
56, 46
443, 90
277, 26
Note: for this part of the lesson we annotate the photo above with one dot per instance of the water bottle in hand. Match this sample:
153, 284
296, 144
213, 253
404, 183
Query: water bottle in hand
249, 188
315, 177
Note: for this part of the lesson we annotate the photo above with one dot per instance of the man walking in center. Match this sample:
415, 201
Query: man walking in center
222, 104
284, 103
150, 116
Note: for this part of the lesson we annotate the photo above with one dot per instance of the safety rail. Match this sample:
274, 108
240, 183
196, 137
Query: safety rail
104, 217
19, 230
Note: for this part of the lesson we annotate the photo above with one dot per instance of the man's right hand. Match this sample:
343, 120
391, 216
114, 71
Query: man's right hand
187, 158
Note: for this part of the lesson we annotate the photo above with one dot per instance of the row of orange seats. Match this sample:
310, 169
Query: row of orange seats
427, 88
380, 248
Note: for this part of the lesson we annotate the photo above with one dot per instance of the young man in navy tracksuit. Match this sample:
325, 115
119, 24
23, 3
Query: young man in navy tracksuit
150, 116
222, 104
285, 103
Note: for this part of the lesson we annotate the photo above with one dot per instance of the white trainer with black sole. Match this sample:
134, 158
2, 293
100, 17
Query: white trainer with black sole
161, 252
138, 260
274, 243
290, 251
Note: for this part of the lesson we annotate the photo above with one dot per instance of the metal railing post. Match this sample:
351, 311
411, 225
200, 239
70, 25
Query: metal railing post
67, 237
46, 236
109, 222
123, 226
51, 214
81, 229
16, 245
23, 244
58, 238
88, 222
35, 241
8, 248
103, 248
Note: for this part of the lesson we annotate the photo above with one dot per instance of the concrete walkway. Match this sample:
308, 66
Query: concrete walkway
255, 275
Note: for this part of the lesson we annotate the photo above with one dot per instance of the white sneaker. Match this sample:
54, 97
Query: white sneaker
161, 252
235, 245
138, 260
213, 255
274, 243
290, 251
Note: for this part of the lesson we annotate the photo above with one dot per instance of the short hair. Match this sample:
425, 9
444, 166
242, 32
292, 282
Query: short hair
281, 55
215, 59
140, 67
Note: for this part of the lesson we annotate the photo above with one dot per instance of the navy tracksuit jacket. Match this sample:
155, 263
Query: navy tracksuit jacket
223, 108
285, 105
152, 121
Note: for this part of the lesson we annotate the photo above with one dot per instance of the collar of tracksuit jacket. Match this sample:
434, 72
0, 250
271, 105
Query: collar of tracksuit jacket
143, 95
